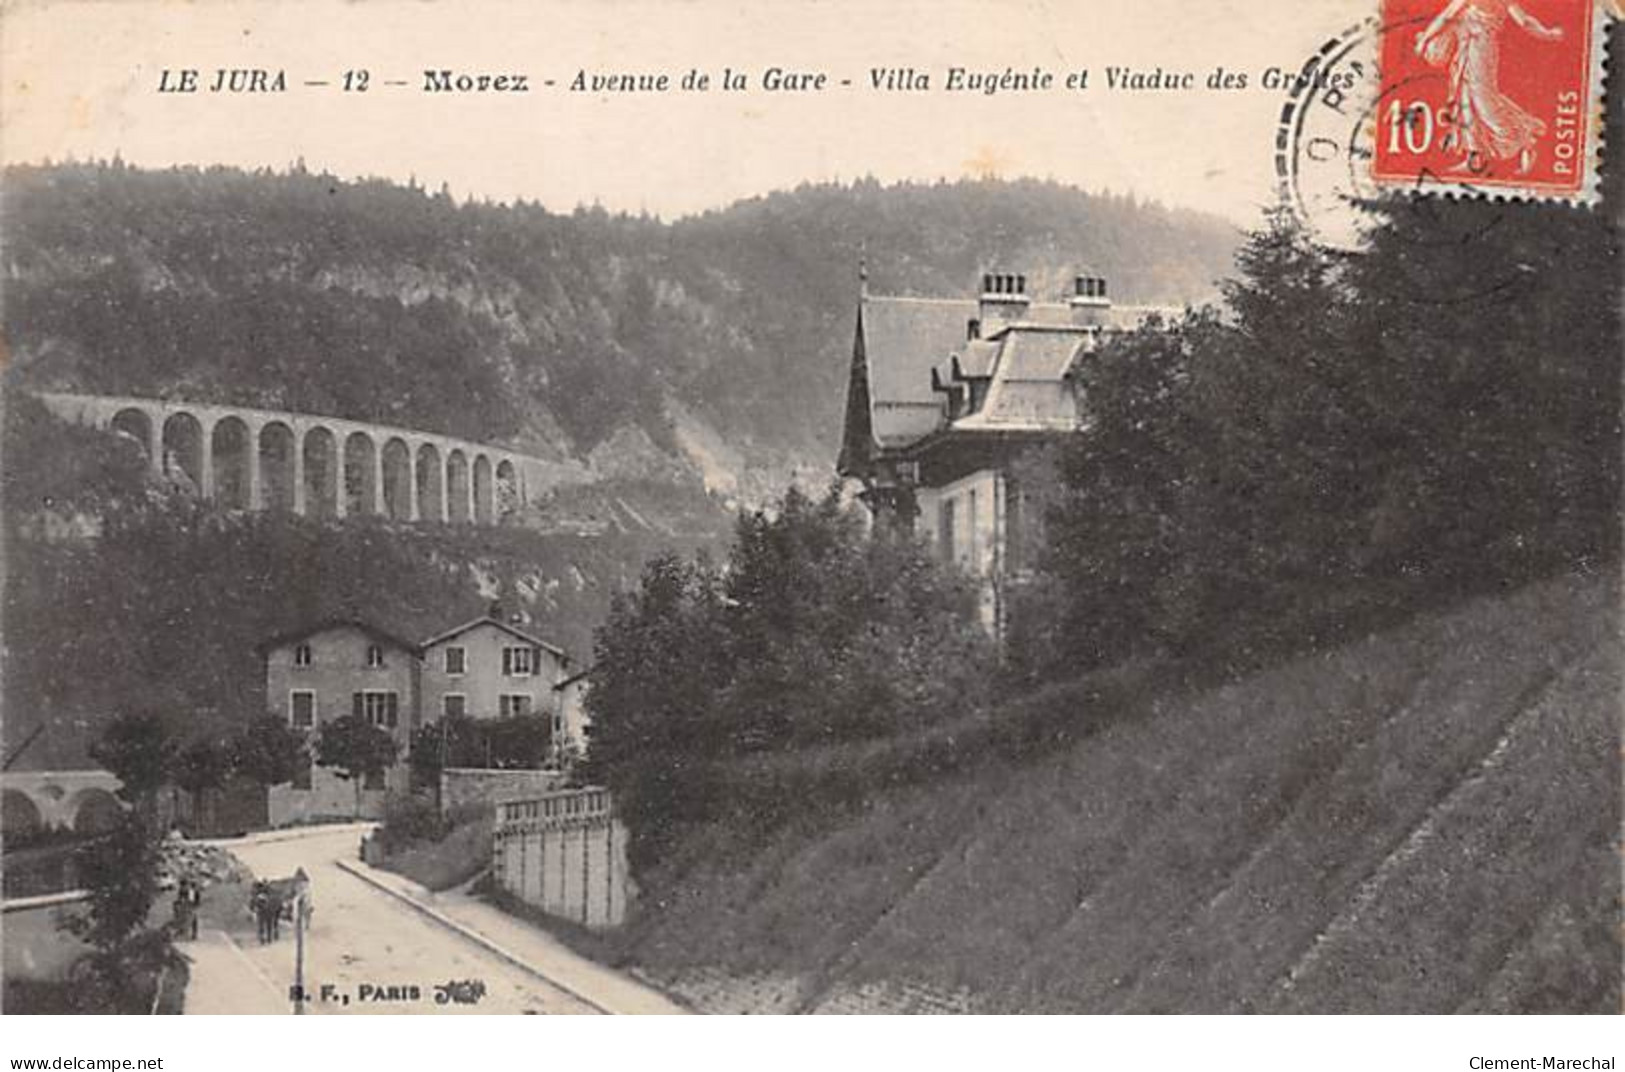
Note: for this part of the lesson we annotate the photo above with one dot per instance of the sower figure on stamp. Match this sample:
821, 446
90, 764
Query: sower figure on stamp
1489, 125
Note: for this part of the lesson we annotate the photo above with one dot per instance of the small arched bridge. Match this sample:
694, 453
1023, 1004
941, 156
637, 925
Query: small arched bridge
255, 459
80, 800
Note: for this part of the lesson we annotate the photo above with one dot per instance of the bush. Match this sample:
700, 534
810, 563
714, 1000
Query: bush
409, 819
459, 854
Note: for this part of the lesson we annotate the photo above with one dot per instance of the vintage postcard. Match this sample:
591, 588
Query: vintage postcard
967, 506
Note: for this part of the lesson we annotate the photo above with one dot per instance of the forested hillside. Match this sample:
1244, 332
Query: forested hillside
654, 361
556, 333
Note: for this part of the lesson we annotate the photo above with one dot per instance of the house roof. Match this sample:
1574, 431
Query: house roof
572, 679
976, 360
486, 619
383, 636
908, 349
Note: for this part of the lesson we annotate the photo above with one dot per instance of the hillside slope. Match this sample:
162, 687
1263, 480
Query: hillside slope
1425, 821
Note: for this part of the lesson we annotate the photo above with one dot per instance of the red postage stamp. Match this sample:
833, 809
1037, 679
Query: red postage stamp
1490, 96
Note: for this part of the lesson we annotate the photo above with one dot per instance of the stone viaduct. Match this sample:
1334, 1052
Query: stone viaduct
254, 459
80, 800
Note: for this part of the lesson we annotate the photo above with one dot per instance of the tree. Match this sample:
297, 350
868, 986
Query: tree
120, 874
140, 750
518, 742
356, 750
814, 635
269, 752
203, 764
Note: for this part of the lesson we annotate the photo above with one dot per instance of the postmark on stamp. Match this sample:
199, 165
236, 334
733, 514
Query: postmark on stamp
1490, 97
1463, 98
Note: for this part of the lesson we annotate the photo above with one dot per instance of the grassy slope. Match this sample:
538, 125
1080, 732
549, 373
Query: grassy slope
1424, 821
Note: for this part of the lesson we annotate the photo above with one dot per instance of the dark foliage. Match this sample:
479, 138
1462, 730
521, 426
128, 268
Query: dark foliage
268, 751
140, 749
814, 636
516, 742
354, 748
1360, 437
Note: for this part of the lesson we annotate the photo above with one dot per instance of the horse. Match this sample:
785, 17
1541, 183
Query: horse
274, 900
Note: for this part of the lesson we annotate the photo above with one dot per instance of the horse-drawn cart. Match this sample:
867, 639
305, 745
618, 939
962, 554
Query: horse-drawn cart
275, 900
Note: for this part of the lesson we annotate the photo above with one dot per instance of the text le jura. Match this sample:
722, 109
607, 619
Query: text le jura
224, 80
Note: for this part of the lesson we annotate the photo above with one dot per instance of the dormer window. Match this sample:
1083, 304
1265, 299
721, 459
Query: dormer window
375, 657
301, 655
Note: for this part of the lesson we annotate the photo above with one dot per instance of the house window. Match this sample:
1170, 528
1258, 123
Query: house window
515, 703
373, 780
377, 708
454, 705
301, 655
456, 661
375, 656
518, 662
946, 525
302, 708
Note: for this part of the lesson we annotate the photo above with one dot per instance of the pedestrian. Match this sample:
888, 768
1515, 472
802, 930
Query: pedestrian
187, 900
265, 910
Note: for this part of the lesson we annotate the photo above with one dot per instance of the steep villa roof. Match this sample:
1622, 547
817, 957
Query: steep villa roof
475, 623
906, 348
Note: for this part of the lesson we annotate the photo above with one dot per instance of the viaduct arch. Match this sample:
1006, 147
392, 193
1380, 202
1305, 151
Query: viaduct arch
81, 800
254, 459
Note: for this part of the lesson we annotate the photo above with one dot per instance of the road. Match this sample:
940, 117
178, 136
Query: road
365, 952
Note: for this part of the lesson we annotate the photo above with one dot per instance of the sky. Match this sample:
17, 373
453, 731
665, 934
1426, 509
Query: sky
80, 80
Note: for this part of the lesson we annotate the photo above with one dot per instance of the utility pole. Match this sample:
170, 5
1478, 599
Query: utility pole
299, 954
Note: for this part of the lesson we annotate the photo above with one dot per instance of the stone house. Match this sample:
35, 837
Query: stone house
490, 668
329, 670
484, 668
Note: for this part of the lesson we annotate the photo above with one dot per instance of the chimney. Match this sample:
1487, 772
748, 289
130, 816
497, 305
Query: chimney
1004, 301
1089, 300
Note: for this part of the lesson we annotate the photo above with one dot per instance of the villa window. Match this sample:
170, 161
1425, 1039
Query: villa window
454, 705
456, 661
518, 662
301, 655
515, 704
375, 656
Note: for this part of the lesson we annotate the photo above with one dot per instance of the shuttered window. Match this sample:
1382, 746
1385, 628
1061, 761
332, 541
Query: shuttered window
378, 708
518, 662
